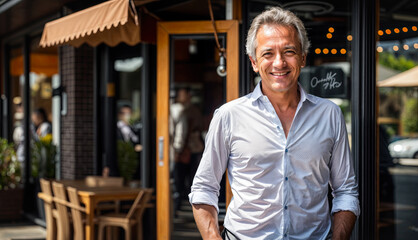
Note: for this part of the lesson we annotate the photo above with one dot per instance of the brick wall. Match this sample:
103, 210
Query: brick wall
77, 159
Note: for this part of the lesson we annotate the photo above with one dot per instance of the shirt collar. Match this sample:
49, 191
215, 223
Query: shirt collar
257, 93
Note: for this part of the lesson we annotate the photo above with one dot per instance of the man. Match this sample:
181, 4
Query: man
125, 131
282, 148
187, 144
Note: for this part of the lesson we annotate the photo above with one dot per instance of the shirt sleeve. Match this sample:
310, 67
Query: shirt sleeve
343, 180
206, 183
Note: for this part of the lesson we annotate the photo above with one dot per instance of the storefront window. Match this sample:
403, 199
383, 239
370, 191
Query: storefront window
397, 71
43, 74
128, 71
17, 107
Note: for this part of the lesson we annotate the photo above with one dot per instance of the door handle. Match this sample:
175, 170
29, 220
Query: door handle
161, 151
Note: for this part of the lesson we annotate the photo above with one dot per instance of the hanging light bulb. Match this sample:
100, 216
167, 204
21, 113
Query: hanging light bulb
221, 69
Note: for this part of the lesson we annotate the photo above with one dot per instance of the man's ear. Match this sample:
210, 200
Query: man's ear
254, 64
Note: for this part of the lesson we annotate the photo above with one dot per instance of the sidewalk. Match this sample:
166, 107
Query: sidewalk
22, 230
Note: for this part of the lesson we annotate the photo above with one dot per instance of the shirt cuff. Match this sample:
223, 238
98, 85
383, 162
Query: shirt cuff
346, 203
204, 198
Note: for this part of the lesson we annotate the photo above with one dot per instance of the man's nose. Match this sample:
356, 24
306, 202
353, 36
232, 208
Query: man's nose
279, 61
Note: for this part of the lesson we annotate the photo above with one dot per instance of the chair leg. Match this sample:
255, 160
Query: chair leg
139, 230
109, 232
127, 232
101, 230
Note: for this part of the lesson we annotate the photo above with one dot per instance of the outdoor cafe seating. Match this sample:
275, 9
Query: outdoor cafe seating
71, 208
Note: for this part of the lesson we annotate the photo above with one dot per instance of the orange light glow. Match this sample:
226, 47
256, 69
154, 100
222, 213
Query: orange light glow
395, 48
334, 51
405, 29
343, 51
416, 45
388, 31
379, 49
349, 38
329, 35
414, 28
331, 29
396, 30
318, 51
380, 32
405, 47
325, 51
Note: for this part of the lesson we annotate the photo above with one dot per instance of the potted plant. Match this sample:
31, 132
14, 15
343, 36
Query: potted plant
43, 157
42, 166
11, 192
127, 160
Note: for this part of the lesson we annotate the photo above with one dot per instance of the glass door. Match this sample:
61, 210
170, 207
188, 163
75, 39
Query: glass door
188, 91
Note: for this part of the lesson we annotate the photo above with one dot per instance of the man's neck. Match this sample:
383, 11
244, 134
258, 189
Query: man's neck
283, 101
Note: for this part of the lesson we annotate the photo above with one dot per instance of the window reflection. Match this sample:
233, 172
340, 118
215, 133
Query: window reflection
397, 72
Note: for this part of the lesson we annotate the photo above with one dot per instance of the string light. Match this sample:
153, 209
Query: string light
318, 51
329, 35
395, 48
349, 38
396, 30
343, 51
380, 32
388, 32
325, 51
331, 29
405, 29
334, 51
379, 49
416, 45
414, 28
405, 47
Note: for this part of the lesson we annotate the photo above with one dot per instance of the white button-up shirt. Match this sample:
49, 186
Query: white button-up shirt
279, 184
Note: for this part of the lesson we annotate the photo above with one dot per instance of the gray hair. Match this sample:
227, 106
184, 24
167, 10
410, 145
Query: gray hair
276, 15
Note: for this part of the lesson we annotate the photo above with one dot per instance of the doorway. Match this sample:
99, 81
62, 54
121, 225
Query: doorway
187, 59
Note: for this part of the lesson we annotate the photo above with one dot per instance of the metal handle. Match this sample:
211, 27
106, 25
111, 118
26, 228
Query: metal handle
161, 151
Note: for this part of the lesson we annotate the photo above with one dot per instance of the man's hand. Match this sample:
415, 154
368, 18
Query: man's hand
206, 218
343, 224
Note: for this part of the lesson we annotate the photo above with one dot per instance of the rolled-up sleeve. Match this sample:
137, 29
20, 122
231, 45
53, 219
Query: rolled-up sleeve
343, 181
206, 183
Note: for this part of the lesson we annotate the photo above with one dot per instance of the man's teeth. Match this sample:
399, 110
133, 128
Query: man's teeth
279, 74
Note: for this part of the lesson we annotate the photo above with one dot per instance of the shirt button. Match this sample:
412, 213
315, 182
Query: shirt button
285, 235
286, 178
285, 207
286, 150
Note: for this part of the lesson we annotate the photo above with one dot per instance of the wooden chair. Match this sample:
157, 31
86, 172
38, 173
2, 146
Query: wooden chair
77, 213
51, 213
60, 199
126, 221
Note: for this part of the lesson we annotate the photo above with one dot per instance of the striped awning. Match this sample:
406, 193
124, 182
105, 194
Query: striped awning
111, 22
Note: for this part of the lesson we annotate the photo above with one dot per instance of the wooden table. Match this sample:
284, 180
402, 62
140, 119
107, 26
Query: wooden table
91, 196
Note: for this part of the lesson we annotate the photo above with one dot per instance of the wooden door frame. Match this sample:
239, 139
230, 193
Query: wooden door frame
164, 30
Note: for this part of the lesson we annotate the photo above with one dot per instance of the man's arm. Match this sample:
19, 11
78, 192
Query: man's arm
206, 218
343, 224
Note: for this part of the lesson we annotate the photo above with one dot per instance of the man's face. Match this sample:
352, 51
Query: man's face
125, 114
279, 58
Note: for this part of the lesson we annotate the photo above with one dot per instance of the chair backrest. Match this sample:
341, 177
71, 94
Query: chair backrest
46, 186
76, 213
60, 194
140, 202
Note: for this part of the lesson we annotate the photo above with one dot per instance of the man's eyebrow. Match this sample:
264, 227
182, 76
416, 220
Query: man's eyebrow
290, 47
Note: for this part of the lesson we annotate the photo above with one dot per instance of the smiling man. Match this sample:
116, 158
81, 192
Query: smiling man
282, 147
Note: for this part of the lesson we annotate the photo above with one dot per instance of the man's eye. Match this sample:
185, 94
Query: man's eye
266, 54
290, 52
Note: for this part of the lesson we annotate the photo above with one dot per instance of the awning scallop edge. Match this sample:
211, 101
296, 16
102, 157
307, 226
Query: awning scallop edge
110, 22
